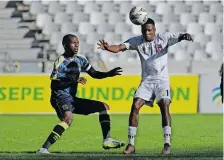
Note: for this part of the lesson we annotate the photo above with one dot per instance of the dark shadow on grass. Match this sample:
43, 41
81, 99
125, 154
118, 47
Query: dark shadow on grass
118, 154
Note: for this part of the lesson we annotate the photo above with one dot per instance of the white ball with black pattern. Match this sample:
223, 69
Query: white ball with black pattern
138, 15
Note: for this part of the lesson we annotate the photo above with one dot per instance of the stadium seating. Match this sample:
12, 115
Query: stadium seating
163, 8
205, 18
72, 7
61, 17
42, 19
202, 38
199, 55
110, 37
115, 17
42, 24
56, 38
186, 18
104, 28
54, 7
198, 8
85, 28
108, 7
97, 18
180, 8
124, 7
68, 27
79, 17
36, 7
91, 38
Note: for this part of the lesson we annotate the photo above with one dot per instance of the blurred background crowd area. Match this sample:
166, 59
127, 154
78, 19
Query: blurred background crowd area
31, 33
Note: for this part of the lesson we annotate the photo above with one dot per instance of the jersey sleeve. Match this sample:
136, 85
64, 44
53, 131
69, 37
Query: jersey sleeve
58, 69
131, 44
172, 38
85, 65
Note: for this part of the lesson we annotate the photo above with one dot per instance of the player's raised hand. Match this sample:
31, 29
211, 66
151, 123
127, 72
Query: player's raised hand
186, 36
82, 80
102, 45
114, 72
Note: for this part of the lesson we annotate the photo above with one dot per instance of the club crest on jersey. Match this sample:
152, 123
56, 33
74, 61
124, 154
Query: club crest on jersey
159, 48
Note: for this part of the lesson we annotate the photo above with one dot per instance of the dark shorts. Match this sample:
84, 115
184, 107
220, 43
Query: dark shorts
62, 102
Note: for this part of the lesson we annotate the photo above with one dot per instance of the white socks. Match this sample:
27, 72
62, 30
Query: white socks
167, 134
131, 134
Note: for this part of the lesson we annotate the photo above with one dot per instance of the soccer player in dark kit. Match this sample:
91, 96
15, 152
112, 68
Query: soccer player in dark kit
64, 82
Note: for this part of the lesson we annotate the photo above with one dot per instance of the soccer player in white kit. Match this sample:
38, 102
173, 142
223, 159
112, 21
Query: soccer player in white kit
152, 49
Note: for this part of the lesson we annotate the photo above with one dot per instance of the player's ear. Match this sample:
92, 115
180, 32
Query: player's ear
154, 26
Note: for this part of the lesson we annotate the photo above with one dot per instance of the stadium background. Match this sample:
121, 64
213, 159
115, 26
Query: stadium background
30, 41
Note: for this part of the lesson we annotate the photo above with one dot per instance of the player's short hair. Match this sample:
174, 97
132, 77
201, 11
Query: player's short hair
149, 21
66, 39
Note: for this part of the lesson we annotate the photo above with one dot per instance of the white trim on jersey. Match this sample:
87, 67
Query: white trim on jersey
88, 67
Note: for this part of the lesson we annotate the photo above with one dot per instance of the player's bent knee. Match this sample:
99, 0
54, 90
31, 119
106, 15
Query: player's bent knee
164, 102
68, 118
106, 106
138, 103
102, 107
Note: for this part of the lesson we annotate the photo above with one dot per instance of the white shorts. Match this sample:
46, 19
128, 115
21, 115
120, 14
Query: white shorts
149, 91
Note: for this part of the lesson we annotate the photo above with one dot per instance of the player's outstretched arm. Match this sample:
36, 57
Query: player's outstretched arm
185, 36
100, 75
111, 48
174, 38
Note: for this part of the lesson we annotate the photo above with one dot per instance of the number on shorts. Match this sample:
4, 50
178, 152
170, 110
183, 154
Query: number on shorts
167, 92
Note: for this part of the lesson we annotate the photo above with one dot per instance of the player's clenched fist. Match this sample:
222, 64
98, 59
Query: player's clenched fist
114, 72
186, 36
82, 80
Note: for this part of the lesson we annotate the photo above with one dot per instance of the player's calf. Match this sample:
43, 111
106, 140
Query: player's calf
68, 118
57, 132
104, 119
166, 124
133, 124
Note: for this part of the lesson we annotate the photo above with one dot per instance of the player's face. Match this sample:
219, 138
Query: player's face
148, 31
74, 45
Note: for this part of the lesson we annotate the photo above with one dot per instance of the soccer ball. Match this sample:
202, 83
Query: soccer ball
138, 15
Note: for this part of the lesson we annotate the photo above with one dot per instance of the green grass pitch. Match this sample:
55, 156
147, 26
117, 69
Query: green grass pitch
193, 137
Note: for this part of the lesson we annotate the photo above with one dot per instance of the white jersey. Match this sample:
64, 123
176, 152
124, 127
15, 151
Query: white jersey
153, 55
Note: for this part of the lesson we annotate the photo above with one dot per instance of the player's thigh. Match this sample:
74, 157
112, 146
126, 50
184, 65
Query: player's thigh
162, 92
63, 105
137, 104
87, 106
146, 92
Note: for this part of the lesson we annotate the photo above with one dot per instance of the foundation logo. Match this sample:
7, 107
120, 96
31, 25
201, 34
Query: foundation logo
216, 96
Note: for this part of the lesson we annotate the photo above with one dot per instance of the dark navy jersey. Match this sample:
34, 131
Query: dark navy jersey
65, 67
